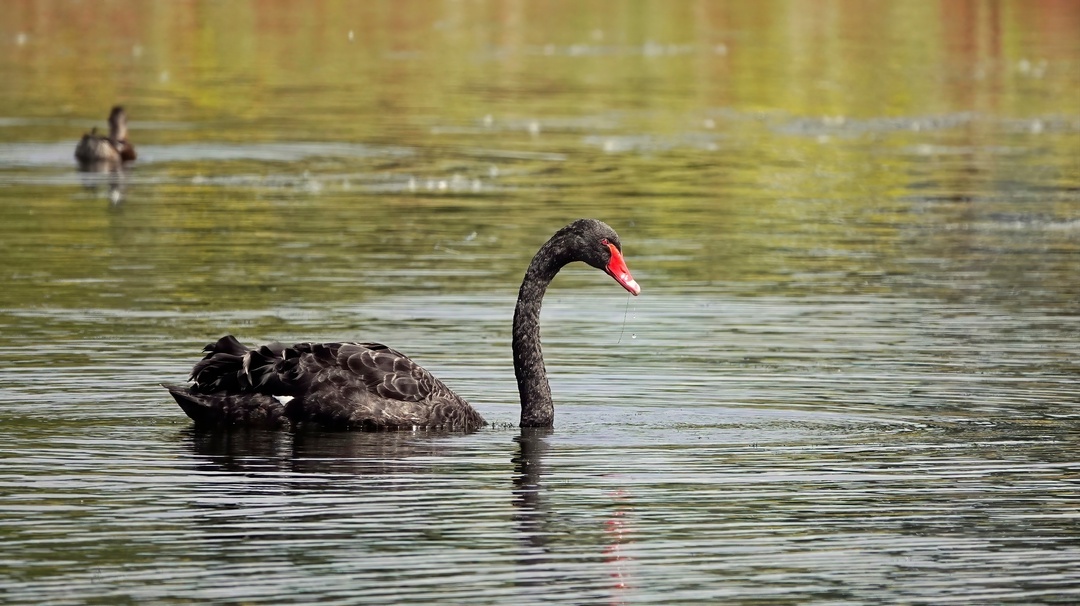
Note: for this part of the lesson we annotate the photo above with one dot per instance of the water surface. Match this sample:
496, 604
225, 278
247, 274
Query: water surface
853, 375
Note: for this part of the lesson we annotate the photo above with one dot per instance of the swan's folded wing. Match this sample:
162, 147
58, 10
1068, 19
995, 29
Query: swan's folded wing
391, 374
276, 370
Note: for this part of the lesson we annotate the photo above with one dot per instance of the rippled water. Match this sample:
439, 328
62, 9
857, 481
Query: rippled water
853, 375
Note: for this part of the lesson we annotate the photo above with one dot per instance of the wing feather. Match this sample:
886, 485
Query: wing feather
351, 385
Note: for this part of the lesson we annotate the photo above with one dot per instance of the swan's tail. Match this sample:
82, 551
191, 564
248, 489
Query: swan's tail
197, 406
225, 411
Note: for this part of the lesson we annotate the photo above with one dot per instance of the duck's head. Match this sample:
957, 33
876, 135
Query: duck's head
118, 124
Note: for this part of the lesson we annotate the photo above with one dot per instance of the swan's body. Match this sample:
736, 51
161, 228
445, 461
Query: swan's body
333, 385
114, 149
371, 386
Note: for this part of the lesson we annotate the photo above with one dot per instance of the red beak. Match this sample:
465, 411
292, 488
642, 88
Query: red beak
616, 268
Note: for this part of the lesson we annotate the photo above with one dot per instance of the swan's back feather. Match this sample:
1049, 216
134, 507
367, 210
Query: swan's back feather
337, 385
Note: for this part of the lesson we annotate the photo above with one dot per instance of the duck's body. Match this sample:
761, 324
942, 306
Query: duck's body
114, 149
371, 386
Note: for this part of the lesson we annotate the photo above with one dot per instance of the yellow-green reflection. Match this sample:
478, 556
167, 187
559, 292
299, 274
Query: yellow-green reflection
833, 146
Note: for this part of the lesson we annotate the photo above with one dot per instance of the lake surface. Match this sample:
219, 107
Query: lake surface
852, 377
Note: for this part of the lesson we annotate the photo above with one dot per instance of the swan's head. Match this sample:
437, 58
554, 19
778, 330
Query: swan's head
595, 243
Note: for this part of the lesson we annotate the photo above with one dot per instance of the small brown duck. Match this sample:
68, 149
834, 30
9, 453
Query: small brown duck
115, 148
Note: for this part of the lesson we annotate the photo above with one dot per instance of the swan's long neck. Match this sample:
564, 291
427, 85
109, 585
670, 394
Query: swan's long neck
536, 407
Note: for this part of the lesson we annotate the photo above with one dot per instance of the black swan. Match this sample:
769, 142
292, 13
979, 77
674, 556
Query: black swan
370, 386
114, 149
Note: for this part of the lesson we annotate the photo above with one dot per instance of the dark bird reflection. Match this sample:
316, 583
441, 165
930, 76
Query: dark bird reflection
239, 451
534, 521
541, 528
528, 491
354, 453
105, 177
291, 484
